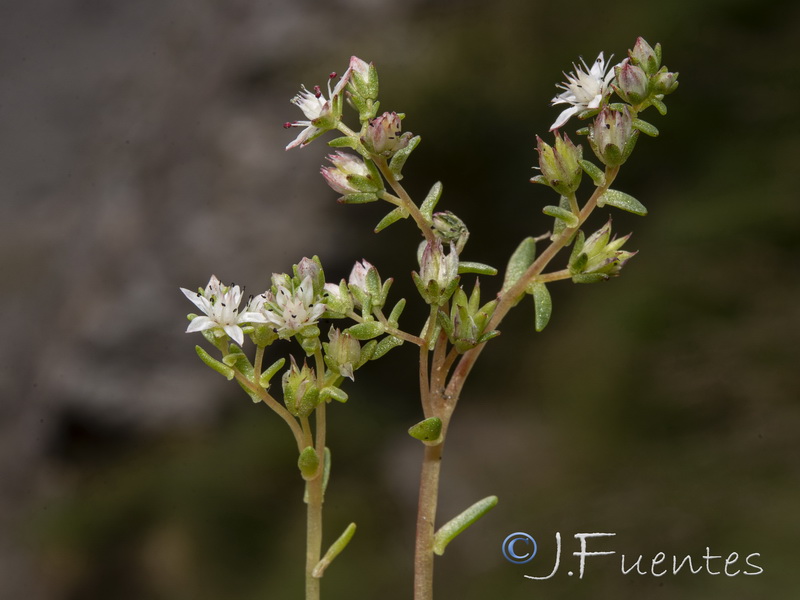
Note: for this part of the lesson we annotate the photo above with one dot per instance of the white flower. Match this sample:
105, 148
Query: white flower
220, 305
321, 113
584, 89
289, 309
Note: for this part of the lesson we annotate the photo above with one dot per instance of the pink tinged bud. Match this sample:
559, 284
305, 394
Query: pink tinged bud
383, 135
348, 174
360, 67
358, 275
665, 82
632, 82
612, 136
645, 57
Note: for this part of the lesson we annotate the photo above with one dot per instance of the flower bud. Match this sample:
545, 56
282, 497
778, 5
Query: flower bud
450, 229
559, 165
642, 55
599, 257
632, 82
350, 175
612, 136
383, 135
366, 287
342, 352
363, 79
665, 82
438, 273
300, 392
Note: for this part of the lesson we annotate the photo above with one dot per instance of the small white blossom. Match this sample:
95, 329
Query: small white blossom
321, 113
289, 309
220, 305
584, 89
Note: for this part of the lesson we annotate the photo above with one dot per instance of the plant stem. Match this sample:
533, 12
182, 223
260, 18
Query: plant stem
313, 535
426, 519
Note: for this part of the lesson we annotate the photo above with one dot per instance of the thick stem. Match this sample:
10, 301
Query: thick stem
426, 519
313, 535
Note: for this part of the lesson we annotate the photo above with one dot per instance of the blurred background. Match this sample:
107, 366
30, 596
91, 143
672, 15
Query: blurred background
141, 150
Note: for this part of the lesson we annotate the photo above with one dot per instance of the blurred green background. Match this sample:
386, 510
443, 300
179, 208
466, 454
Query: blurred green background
143, 151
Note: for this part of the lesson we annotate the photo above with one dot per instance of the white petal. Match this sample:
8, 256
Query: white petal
201, 324
564, 117
236, 333
197, 299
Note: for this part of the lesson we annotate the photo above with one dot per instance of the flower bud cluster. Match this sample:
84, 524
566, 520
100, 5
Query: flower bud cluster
467, 320
598, 257
640, 78
382, 135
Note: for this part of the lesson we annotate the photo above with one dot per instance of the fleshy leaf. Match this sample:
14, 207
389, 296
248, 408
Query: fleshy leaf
567, 216
622, 201
645, 127
542, 303
401, 156
391, 218
334, 551
475, 267
593, 171
428, 430
519, 262
219, 367
452, 528
431, 200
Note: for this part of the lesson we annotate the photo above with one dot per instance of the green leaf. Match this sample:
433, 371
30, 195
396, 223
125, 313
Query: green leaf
359, 198
622, 201
401, 156
645, 127
519, 262
333, 392
475, 267
430, 202
334, 551
567, 216
391, 218
219, 367
593, 171
385, 345
394, 316
542, 303
344, 142
308, 463
428, 430
366, 330
452, 528
590, 277
267, 375
660, 106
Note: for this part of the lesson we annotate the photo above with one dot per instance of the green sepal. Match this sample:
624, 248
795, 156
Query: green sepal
445, 322
567, 216
384, 293
475, 267
520, 260
452, 528
593, 171
645, 127
362, 183
332, 392
308, 463
429, 430
590, 277
540, 179
622, 201
401, 156
366, 330
309, 344
334, 551
385, 345
359, 198
660, 106
393, 217
344, 142
263, 335
267, 375
577, 248
543, 305
430, 202
372, 283
219, 367
394, 316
